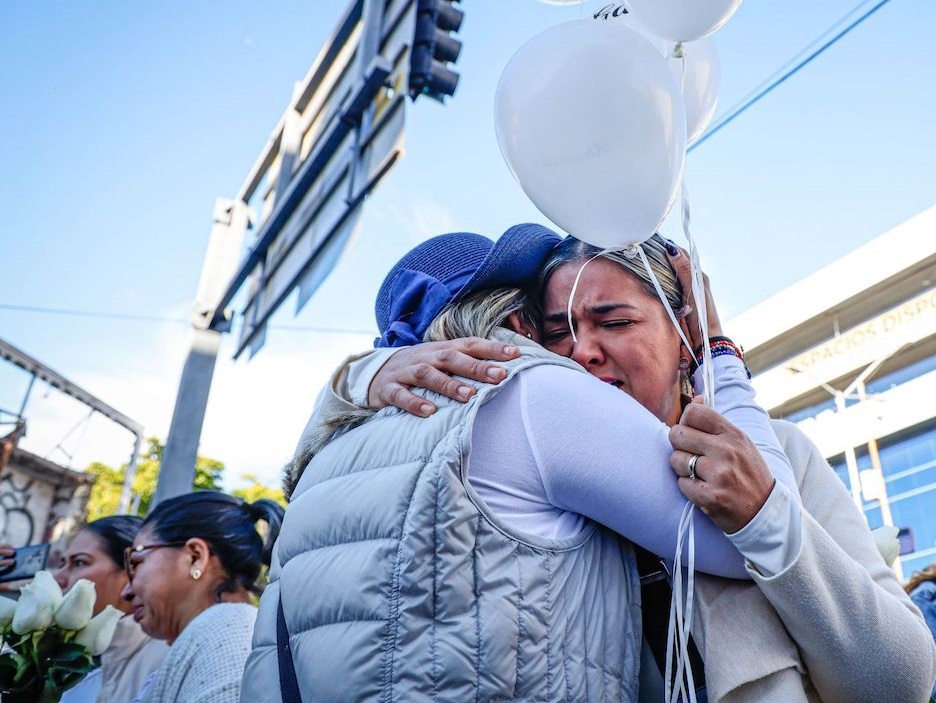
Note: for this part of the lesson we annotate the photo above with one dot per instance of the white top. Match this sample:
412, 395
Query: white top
580, 448
206, 663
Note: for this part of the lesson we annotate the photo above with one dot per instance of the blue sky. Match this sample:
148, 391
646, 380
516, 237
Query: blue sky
120, 123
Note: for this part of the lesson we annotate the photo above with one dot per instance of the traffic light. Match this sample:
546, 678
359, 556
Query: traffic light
434, 48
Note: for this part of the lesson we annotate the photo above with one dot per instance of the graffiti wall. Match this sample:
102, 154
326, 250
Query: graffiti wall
40, 500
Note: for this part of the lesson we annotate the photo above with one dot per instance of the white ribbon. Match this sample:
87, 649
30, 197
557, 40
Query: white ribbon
575, 283
680, 620
698, 296
680, 623
659, 290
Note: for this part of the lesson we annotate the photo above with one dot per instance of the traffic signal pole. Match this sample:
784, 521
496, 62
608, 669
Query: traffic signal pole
177, 468
221, 273
313, 174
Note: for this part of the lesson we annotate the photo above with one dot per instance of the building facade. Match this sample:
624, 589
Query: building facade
849, 355
40, 501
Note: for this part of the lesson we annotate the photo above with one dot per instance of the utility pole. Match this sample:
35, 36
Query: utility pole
177, 469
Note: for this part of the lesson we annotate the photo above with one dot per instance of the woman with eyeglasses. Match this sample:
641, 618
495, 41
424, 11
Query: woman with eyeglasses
96, 554
193, 569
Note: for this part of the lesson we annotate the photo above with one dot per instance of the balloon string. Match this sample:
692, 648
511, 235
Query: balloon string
695, 267
662, 296
698, 295
680, 625
680, 621
679, 52
575, 283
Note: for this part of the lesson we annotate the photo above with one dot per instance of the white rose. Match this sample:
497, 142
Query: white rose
97, 635
33, 610
886, 540
74, 611
7, 608
46, 581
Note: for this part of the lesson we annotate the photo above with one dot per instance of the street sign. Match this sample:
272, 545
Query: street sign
340, 135
342, 132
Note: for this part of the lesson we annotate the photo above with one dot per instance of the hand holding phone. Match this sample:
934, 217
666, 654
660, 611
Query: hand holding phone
23, 562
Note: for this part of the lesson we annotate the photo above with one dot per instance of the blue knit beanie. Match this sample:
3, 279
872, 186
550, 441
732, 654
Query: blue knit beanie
445, 269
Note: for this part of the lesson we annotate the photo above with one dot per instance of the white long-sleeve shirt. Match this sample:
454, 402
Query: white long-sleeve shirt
557, 446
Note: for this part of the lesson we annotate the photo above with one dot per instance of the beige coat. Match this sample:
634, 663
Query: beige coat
131, 657
835, 626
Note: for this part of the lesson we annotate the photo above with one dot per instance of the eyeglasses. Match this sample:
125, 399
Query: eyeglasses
129, 553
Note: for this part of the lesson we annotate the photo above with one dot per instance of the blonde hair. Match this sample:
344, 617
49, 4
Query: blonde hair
479, 314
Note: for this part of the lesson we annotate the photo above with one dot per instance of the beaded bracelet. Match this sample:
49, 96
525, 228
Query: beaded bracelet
721, 346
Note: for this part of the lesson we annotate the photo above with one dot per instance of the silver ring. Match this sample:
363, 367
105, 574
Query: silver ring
693, 460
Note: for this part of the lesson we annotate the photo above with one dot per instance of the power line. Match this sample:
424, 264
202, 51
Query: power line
802, 52
90, 313
94, 314
322, 330
736, 111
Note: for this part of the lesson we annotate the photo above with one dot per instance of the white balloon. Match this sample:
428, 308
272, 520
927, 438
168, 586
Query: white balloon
563, 2
699, 86
703, 70
591, 123
683, 20
619, 13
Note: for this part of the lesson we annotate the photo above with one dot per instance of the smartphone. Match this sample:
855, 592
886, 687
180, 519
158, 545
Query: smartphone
26, 562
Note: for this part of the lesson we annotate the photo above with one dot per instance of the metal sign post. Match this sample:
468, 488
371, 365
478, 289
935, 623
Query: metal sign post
340, 135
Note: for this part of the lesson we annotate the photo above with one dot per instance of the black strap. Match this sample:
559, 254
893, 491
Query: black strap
289, 684
656, 595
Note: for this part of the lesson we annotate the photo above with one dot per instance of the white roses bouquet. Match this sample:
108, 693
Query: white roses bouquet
49, 639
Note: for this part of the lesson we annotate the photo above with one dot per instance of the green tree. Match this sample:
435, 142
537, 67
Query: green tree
256, 490
105, 495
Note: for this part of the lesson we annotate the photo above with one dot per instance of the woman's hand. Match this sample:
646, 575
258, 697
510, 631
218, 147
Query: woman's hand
432, 365
681, 264
732, 480
6, 555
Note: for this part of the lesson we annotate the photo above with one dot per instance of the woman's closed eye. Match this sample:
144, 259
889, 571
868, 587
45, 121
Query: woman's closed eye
554, 336
617, 324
